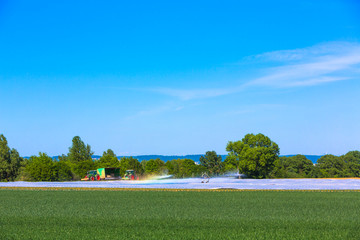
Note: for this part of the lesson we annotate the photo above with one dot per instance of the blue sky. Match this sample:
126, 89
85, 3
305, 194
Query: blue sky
161, 77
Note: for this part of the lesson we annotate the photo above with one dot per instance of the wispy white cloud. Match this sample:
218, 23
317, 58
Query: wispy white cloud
308, 53
188, 94
320, 64
309, 67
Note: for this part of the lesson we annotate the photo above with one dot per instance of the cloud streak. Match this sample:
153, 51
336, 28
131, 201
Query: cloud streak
311, 69
189, 94
320, 64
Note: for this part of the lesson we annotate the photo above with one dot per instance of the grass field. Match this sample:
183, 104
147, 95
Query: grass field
32, 214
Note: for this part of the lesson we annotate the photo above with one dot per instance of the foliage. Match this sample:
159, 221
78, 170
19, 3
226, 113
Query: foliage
178, 215
292, 167
230, 164
127, 163
352, 161
332, 166
143, 164
173, 167
352, 157
181, 168
256, 155
63, 157
42, 168
155, 166
81, 168
64, 172
108, 159
212, 162
79, 151
80, 157
10, 161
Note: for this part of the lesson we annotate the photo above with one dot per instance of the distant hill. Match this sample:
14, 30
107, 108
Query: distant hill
194, 157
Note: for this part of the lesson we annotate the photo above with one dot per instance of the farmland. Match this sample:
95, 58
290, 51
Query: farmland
197, 214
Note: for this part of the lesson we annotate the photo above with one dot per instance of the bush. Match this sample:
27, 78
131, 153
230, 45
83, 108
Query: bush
292, 167
155, 166
64, 172
41, 168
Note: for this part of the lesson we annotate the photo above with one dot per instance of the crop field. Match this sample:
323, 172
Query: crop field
214, 183
178, 214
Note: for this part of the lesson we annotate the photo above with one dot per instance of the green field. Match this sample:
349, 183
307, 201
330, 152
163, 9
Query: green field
33, 214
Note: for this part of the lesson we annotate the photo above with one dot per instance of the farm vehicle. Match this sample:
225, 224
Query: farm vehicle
102, 174
130, 175
109, 174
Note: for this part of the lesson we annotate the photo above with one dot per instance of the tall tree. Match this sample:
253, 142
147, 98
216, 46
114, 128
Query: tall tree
4, 158
79, 151
10, 161
256, 154
80, 157
108, 159
212, 162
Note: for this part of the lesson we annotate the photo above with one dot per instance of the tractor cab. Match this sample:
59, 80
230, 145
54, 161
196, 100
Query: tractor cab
91, 175
130, 175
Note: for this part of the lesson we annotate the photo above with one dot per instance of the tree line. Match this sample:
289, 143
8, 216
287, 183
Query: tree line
255, 156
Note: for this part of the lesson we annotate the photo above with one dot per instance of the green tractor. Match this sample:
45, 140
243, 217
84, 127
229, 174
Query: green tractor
130, 175
102, 174
91, 175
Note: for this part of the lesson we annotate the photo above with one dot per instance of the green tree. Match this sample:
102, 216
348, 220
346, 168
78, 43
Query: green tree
230, 164
127, 163
352, 162
63, 170
155, 166
256, 155
331, 166
199, 170
4, 158
143, 164
173, 167
292, 167
42, 168
181, 168
212, 162
80, 157
10, 161
188, 168
15, 164
108, 159
63, 158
